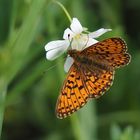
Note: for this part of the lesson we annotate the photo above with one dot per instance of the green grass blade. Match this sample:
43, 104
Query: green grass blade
3, 91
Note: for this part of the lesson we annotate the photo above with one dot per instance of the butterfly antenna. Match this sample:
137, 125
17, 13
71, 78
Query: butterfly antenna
52, 67
87, 41
49, 68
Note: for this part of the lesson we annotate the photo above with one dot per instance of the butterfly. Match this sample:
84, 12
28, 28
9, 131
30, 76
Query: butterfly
91, 74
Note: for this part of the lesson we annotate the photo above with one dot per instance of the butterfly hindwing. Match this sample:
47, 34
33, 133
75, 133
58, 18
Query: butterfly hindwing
114, 60
97, 84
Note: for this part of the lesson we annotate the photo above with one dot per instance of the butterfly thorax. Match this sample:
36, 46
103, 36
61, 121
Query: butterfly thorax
93, 61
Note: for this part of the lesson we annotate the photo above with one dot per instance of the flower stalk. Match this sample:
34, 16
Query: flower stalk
64, 9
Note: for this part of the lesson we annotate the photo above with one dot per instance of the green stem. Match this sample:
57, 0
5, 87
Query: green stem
64, 9
75, 126
3, 91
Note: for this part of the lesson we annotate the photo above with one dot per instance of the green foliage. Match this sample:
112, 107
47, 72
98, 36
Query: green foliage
127, 134
29, 88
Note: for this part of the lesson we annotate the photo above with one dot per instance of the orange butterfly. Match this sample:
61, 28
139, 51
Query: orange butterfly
91, 74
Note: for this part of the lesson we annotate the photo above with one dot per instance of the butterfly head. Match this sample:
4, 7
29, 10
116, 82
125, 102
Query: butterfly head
73, 53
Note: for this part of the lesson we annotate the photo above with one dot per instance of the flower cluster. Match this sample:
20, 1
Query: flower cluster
75, 37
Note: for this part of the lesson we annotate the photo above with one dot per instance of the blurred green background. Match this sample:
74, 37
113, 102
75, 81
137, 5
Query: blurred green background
28, 95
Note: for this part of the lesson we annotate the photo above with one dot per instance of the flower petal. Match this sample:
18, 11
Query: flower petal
59, 49
55, 44
68, 63
76, 26
53, 54
68, 34
82, 42
98, 32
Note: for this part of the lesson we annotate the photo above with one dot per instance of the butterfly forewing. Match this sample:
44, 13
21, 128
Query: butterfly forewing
107, 46
73, 94
112, 50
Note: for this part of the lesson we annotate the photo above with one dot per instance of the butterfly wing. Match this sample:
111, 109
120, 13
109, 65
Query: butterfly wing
112, 50
98, 84
73, 94
115, 60
79, 86
107, 46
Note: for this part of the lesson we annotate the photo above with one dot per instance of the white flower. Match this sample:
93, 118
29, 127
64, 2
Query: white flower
76, 37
